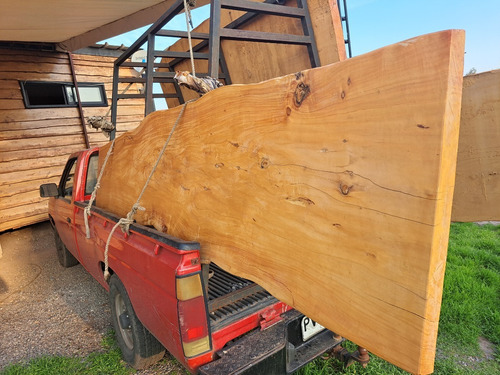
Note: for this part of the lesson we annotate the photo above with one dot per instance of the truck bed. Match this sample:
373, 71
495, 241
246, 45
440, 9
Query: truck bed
231, 297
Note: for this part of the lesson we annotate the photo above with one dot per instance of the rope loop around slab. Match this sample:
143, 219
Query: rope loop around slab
125, 222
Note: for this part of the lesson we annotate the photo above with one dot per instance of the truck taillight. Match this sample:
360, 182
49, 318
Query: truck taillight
190, 263
192, 315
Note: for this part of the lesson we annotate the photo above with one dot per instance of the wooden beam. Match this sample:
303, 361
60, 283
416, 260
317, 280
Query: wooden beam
477, 189
331, 188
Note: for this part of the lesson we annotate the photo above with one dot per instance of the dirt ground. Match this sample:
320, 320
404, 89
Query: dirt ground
46, 309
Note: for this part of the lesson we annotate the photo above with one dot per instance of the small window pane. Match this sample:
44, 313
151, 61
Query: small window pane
91, 174
70, 93
68, 180
89, 94
45, 94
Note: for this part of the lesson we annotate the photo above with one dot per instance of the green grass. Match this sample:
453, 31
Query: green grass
100, 363
470, 310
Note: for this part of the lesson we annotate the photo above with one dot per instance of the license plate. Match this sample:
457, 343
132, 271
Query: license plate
310, 328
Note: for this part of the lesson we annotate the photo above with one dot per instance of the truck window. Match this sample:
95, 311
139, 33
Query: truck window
67, 180
91, 174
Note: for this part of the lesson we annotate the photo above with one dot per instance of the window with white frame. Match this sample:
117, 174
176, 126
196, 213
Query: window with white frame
42, 94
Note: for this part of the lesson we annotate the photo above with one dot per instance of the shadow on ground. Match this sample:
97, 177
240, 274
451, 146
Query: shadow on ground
46, 309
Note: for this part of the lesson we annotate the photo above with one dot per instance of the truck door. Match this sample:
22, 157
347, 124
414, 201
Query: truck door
87, 247
63, 208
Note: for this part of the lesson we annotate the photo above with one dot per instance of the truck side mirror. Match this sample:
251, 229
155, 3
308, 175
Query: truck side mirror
49, 190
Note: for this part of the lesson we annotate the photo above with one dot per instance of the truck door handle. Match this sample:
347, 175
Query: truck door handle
68, 220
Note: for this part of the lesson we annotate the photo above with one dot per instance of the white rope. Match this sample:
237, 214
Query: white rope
125, 222
187, 11
87, 211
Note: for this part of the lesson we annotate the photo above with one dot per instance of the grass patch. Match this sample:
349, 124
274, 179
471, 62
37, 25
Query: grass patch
470, 311
100, 363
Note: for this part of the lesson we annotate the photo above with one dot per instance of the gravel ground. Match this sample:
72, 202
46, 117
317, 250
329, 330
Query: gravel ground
46, 309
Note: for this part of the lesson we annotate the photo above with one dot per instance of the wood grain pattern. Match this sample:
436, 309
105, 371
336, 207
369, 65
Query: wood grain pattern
477, 189
250, 62
338, 201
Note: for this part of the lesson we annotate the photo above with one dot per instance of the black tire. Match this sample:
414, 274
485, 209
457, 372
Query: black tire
66, 259
139, 347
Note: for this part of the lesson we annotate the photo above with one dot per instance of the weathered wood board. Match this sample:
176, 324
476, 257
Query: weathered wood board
35, 142
477, 189
251, 62
331, 188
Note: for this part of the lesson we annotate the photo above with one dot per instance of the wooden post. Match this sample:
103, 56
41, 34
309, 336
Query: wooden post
80, 109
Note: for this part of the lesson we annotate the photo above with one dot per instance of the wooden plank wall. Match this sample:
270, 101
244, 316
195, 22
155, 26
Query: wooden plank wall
477, 186
35, 143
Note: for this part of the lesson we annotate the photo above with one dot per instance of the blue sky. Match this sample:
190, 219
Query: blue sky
377, 23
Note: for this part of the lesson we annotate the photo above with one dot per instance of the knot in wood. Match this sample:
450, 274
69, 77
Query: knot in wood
344, 189
264, 163
302, 91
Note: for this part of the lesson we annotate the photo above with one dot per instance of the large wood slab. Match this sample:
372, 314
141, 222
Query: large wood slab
477, 189
251, 62
338, 201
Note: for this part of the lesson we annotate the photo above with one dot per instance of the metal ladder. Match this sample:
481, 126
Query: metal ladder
273, 7
345, 21
217, 67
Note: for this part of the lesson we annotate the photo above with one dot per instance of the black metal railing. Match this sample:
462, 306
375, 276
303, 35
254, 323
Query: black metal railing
217, 67
345, 25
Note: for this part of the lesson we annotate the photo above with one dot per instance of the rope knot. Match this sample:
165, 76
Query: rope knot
126, 222
136, 208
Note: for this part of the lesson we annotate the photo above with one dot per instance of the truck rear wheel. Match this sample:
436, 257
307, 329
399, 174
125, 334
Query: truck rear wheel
139, 347
65, 258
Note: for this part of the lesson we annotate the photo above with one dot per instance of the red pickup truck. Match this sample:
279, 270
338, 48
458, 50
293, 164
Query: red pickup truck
162, 297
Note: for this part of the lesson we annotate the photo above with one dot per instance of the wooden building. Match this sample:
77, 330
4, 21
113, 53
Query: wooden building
35, 141
38, 132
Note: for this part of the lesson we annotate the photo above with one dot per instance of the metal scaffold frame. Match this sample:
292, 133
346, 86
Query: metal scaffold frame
217, 67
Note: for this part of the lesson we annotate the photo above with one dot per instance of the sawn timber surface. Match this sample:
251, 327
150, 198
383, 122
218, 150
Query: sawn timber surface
331, 188
477, 188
